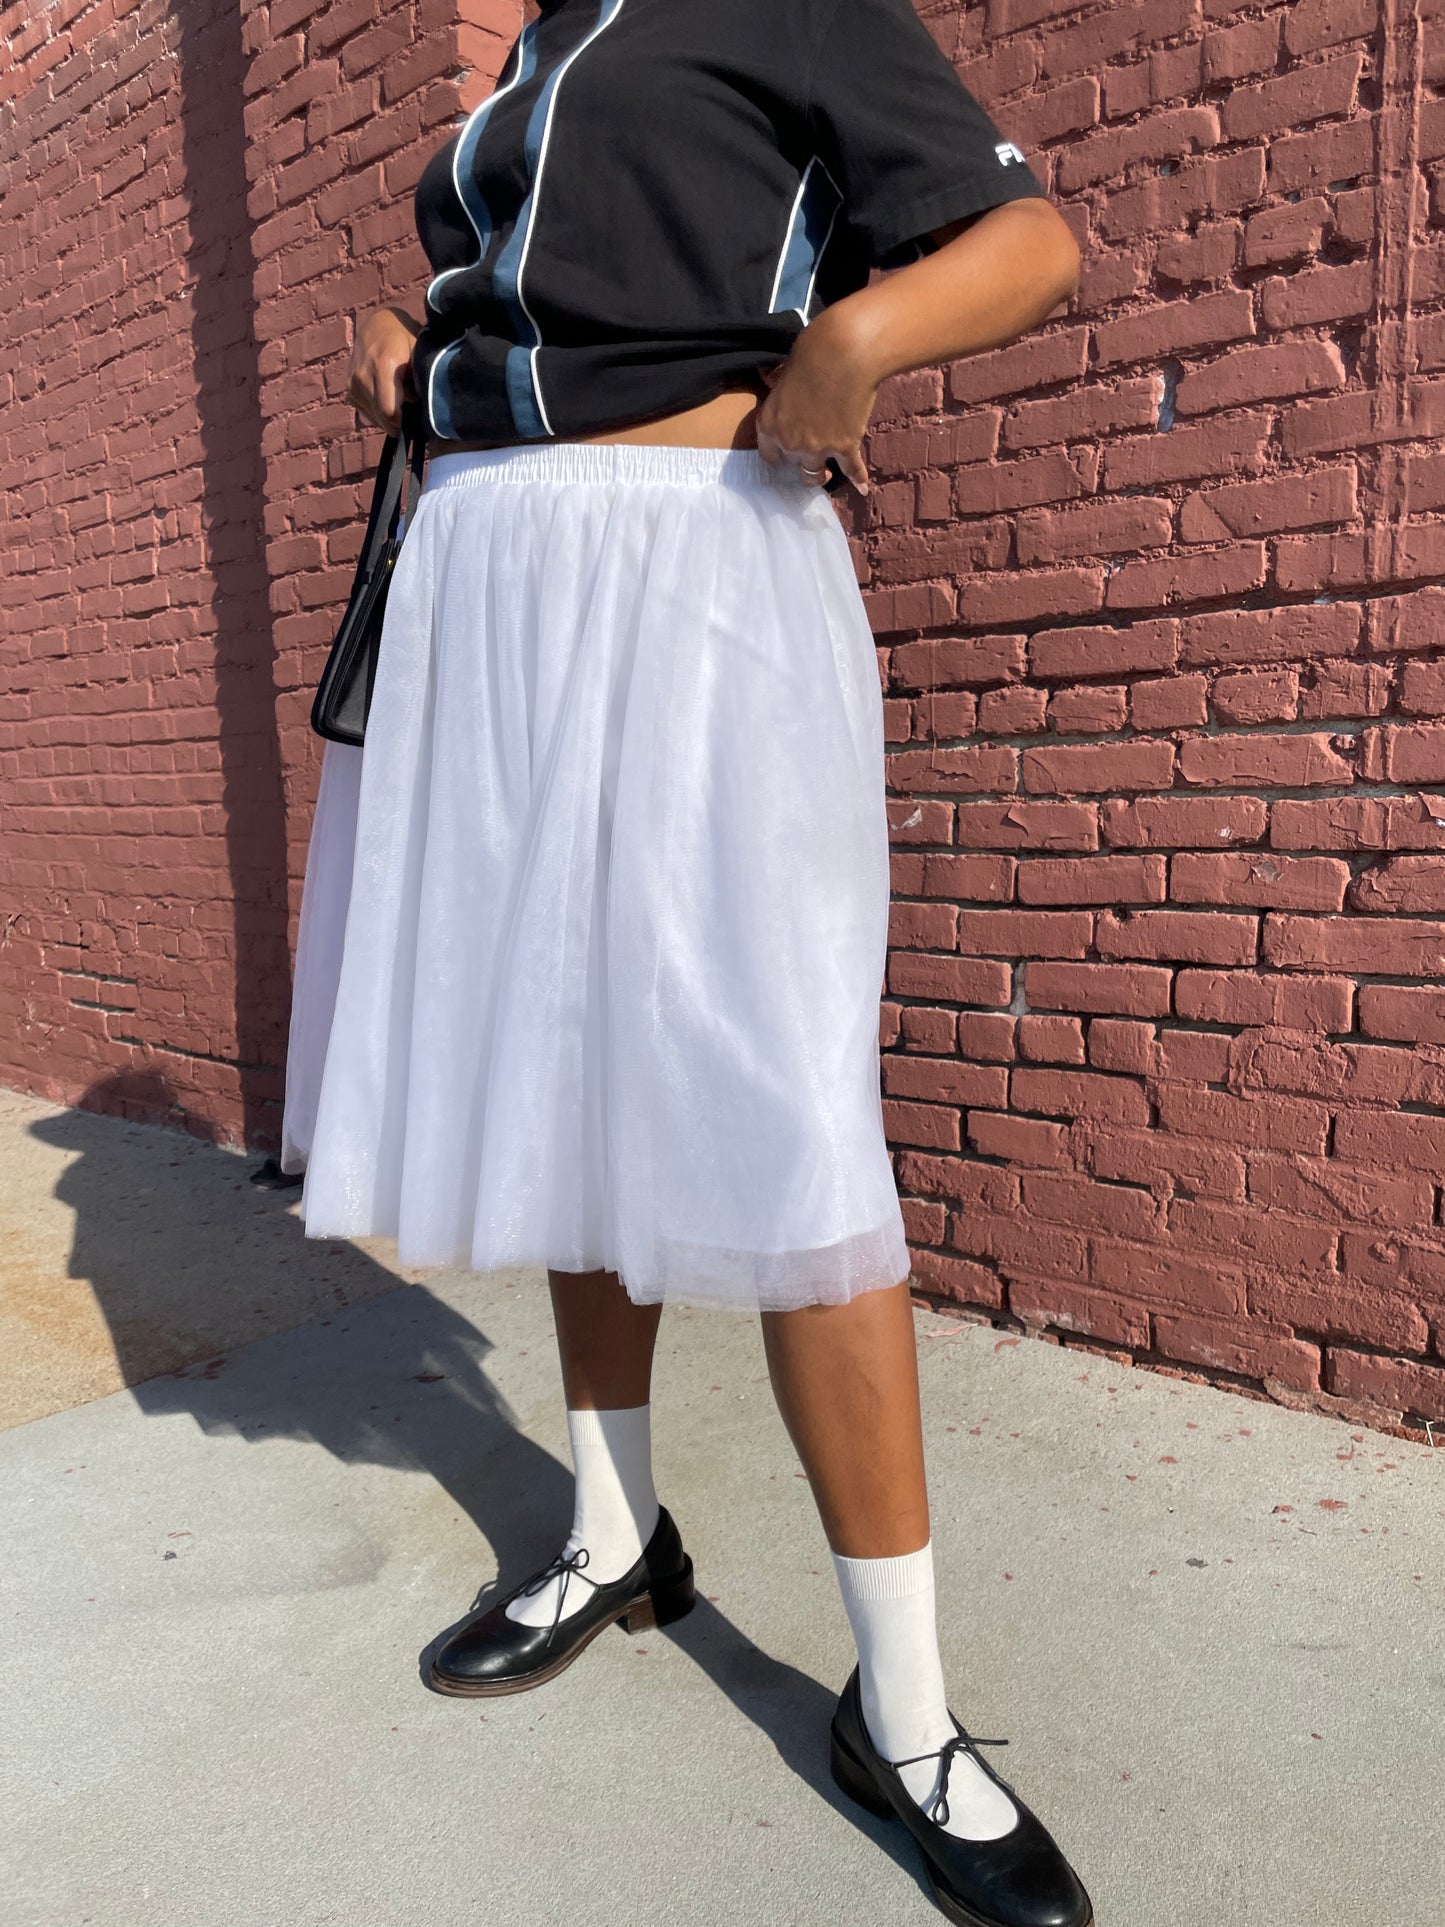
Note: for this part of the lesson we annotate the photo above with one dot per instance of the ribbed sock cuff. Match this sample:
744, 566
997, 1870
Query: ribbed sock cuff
585, 1425
902, 1577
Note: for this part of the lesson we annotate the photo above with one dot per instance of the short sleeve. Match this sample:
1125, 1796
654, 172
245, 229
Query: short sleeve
909, 146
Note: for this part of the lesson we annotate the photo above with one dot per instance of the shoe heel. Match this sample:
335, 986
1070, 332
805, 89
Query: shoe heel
855, 1780
668, 1600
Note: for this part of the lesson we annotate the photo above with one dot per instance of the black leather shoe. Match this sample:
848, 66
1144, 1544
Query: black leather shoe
493, 1654
1018, 1880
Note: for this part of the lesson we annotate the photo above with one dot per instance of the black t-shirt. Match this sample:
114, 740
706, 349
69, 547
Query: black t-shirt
659, 194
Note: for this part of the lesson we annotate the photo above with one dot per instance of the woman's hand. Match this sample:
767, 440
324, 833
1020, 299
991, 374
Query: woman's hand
988, 280
818, 404
380, 379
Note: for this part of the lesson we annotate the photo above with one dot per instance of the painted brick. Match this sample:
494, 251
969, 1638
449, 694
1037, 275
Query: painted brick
963, 980
1207, 321
1365, 946
1392, 1140
1340, 1194
1164, 1163
1324, 496
1071, 653
1236, 997
1268, 373
1269, 636
1264, 696
952, 662
1089, 710
1016, 711
1253, 1350
1050, 1040
944, 1080
1155, 1276
985, 1037
1193, 1056
1024, 933
1235, 445
1396, 1385
927, 1030
1181, 936
1260, 880
1403, 1012
1341, 690
1082, 1094
960, 772
1185, 577
1266, 761
1015, 1247
1100, 879
927, 1125
1034, 595
1289, 231
1119, 1211
1117, 1044
1028, 825
1084, 769
1182, 822
1408, 885
1354, 823
1122, 989
1073, 1308
1170, 702
1386, 1262
1083, 413
1415, 753
975, 879
1271, 1238
1020, 1140
1041, 361
1124, 523
958, 1280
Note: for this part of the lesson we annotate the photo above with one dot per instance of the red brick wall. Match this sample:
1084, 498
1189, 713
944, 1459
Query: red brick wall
1165, 661
1155, 595
196, 200
142, 795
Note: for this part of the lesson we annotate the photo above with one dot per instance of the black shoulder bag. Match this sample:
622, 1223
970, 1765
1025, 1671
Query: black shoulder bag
343, 695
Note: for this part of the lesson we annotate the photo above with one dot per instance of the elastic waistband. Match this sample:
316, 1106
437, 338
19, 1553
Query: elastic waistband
609, 462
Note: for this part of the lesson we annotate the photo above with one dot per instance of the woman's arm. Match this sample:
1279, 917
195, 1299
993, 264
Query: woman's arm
992, 280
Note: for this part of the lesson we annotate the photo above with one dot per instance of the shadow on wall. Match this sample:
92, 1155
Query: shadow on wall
227, 372
181, 1250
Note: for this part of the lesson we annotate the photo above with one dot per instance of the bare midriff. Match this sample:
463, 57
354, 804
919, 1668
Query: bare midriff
727, 421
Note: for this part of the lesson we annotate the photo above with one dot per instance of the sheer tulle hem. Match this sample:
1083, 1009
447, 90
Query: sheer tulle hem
682, 1272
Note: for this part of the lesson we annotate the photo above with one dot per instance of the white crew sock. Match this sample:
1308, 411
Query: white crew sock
890, 1606
614, 1509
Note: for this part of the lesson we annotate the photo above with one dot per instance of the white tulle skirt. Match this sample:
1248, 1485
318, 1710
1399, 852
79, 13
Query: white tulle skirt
594, 928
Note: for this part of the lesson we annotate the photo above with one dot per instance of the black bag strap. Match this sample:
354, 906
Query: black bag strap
402, 462
413, 440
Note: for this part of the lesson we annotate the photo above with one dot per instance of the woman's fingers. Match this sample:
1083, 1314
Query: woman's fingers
850, 460
381, 377
812, 463
364, 393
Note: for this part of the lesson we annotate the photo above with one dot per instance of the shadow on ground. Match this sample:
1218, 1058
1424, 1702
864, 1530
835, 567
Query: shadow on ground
386, 1373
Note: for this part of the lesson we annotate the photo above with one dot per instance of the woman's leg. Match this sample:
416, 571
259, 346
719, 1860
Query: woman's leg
605, 1341
606, 1344
846, 1381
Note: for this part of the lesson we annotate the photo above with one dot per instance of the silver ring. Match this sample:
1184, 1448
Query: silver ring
812, 474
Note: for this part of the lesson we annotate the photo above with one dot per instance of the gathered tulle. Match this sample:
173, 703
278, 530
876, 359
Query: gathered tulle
594, 929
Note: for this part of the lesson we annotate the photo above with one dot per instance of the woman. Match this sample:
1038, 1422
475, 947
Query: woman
601, 908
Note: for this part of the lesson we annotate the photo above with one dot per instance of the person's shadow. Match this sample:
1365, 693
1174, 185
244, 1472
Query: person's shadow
391, 1376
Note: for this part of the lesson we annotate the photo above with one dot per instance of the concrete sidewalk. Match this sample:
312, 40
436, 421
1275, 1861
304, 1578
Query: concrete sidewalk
1209, 1628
